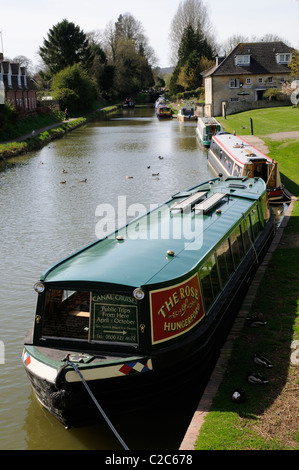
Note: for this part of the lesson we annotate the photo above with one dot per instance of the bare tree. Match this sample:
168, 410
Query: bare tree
236, 39
194, 13
127, 28
232, 42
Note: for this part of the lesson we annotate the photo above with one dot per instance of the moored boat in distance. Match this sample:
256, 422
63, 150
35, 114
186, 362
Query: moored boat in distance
206, 128
231, 155
135, 314
162, 109
186, 114
128, 103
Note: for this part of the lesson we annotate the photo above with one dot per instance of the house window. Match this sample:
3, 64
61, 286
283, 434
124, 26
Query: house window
234, 83
235, 100
260, 80
283, 58
242, 60
248, 81
270, 80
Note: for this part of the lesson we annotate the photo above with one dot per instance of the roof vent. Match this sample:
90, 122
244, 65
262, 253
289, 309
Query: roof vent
189, 201
210, 202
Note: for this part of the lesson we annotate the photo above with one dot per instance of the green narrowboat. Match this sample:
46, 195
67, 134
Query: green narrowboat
206, 128
134, 314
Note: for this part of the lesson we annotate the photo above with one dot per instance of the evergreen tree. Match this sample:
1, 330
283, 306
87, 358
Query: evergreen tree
194, 55
66, 45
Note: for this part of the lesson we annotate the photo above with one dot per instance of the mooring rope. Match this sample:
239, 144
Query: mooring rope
98, 405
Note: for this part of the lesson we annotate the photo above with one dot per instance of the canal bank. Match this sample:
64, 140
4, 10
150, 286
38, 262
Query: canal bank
38, 138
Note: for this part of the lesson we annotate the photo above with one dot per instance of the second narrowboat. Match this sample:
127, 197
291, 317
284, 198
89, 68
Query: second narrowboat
231, 155
135, 314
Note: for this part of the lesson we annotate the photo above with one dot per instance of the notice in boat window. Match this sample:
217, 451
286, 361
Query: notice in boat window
113, 318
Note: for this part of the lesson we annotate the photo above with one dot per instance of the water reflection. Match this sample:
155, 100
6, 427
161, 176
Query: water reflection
44, 220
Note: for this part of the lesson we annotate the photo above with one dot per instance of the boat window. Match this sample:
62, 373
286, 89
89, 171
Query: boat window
209, 281
255, 221
237, 170
227, 162
246, 234
237, 246
225, 261
66, 314
265, 207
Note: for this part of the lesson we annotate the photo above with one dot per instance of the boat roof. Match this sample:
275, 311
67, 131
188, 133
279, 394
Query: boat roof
239, 149
141, 257
208, 120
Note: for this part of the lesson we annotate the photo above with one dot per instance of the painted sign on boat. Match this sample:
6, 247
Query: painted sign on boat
176, 309
113, 318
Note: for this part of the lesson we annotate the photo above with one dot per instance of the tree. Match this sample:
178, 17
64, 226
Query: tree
190, 13
66, 45
74, 89
294, 65
128, 51
194, 55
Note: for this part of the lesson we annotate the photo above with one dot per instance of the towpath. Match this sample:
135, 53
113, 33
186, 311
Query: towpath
35, 132
259, 143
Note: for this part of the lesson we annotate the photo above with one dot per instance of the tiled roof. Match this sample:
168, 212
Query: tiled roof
262, 60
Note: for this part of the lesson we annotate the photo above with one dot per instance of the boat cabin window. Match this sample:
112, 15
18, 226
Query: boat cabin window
237, 170
209, 281
237, 246
265, 208
255, 221
225, 262
66, 314
246, 233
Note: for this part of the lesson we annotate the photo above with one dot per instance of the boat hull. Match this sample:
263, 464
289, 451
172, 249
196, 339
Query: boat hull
204, 142
171, 369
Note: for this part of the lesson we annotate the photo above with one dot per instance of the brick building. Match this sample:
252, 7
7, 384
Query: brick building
19, 89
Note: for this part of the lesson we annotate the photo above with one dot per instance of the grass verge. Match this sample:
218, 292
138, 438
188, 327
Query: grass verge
34, 143
265, 121
268, 418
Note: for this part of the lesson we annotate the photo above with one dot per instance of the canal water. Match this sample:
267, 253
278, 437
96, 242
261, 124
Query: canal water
45, 215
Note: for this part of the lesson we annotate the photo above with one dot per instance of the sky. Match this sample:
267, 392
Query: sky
25, 24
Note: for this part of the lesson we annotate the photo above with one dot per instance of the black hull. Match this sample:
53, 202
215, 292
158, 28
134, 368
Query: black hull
173, 368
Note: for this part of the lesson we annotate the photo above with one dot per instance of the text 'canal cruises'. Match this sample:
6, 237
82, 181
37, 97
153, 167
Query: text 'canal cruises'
137, 315
230, 155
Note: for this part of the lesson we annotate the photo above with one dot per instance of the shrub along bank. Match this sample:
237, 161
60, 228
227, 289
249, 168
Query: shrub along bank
36, 142
54, 128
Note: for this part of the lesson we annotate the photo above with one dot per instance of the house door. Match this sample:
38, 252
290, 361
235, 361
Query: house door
259, 95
